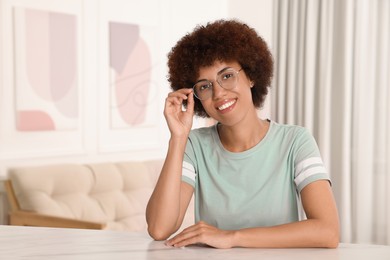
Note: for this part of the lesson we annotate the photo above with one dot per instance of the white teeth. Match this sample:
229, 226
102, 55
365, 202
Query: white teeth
226, 105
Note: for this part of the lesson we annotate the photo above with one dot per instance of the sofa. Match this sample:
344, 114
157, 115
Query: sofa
111, 195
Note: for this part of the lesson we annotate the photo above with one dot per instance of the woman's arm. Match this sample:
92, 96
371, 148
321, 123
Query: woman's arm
169, 201
321, 229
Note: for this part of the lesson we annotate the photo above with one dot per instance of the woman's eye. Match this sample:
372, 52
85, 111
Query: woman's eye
204, 87
227, 76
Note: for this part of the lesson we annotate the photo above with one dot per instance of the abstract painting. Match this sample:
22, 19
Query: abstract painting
132, 88
46, 92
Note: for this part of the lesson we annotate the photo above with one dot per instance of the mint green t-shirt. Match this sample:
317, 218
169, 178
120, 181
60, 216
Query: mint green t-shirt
254, 188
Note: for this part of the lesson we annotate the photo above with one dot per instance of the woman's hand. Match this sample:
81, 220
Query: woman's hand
179, 121
203, 233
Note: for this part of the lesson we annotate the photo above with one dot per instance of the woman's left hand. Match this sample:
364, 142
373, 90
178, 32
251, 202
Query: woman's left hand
203, 233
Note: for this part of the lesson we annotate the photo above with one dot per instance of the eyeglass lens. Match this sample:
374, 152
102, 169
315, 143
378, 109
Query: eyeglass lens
227, 80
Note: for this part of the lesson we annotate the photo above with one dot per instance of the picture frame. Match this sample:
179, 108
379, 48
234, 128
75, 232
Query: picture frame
132, 77
37, 119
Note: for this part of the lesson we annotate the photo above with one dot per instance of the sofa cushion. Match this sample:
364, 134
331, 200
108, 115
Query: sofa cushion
112, 193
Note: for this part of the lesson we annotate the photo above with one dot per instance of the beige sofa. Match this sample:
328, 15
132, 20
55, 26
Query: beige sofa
99, 195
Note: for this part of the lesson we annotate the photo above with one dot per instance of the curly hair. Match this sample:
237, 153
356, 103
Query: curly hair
225, 41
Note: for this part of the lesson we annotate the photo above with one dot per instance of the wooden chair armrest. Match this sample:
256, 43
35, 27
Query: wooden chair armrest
26, 218
13, 202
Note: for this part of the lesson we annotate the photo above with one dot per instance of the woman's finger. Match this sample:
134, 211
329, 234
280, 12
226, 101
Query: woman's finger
181, 237
190, 103
174, 100
189, 232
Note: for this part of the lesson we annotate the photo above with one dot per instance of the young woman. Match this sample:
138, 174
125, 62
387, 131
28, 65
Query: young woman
256, 183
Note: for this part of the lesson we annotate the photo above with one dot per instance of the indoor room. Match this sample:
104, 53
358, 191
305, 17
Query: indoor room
95, 95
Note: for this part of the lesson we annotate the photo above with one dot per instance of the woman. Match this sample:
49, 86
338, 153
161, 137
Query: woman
250, 176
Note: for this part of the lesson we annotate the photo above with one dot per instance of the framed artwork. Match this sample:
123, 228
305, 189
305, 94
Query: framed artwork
132, 78
46, 86
42, 66
81, 76
133, 63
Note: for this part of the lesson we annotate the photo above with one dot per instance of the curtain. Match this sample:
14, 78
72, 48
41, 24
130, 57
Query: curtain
332, 75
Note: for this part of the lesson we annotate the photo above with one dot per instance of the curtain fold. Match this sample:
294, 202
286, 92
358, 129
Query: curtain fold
332, 76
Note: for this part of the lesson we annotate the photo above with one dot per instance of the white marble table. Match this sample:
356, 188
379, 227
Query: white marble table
53, 243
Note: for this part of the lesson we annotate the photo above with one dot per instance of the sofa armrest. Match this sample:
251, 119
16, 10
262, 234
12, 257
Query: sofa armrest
26, 218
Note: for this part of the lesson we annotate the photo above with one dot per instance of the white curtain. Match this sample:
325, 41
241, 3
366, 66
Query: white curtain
332, 61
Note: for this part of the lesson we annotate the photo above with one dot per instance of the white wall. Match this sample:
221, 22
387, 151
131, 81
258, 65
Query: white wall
176, 18
259, 15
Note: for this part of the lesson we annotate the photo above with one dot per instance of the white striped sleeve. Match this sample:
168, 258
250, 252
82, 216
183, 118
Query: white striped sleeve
188, 173
309, 170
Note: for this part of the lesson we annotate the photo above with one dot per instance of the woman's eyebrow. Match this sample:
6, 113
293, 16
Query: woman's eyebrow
222, 70
218, 73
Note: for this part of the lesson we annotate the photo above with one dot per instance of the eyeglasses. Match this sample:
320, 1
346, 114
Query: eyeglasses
227, 79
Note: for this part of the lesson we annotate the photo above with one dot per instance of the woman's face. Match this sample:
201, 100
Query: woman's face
227, 106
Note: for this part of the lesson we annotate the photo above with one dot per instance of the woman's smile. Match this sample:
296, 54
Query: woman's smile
226, 106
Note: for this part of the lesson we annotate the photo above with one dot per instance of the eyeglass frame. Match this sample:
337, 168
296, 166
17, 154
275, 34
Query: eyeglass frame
210, 83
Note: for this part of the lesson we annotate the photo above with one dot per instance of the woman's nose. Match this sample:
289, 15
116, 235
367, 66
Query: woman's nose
218, 91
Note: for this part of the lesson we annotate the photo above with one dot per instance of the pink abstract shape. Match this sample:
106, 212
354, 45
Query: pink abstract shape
131, 59
34, 120
37, 54
63, 54
132, 85
123, 38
